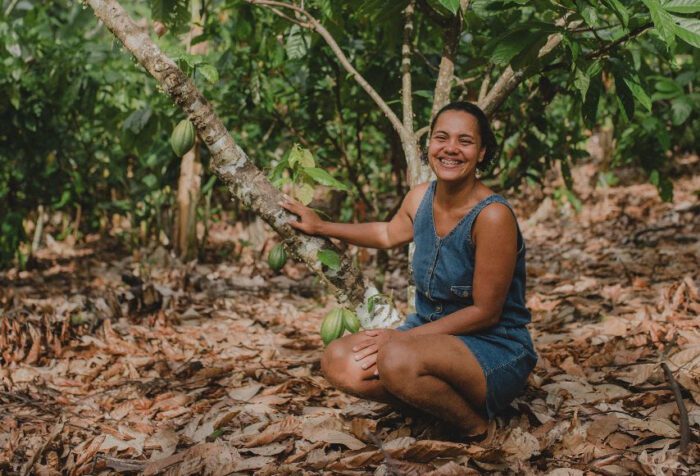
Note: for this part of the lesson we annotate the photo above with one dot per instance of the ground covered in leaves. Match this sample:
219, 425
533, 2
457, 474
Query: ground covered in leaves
116, 362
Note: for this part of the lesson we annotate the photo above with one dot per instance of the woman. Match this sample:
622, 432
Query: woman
465, 354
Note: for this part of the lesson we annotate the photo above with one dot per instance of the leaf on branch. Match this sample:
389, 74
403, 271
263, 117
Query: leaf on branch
451, 5
301, 156
175, 14
619, 10
520, 46
687, 29
324, 178
209, 72
680, 110
682, 6
330, 258
137, 120
296, 43
304, 193
663, 22
589, 108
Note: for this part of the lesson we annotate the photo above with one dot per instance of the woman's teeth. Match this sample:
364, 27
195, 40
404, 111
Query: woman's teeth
450, 163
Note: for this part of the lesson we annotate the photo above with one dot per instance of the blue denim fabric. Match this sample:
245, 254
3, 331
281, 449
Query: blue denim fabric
443, 270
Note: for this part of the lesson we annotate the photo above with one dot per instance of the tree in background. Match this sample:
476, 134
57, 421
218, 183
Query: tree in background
547, 72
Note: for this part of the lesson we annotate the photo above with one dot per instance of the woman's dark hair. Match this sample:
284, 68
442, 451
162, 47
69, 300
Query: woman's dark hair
488, 140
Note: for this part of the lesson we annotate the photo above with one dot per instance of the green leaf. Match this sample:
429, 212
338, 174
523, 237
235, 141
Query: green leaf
668, 86
682, 6
301, 156
581, 82
330, 258
619, 10
662, 21
663, 185
590, 104
508, 46
687, 29
175, 14
304, 193
324, 178
680, 110
624, 95
209, 72
137, 120
307, 158
295, 45
634, 84
451, 5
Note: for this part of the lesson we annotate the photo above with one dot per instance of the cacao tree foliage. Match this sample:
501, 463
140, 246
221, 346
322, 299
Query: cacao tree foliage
82, 126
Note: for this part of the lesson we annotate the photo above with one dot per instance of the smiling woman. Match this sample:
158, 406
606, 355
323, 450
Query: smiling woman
466, 353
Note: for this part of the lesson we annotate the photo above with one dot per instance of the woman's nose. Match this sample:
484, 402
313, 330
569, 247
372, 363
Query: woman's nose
451, 147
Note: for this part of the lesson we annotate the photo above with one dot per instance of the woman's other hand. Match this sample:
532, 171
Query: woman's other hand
365, 351
309, 222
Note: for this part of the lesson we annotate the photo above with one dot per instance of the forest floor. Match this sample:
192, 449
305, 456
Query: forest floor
119, 362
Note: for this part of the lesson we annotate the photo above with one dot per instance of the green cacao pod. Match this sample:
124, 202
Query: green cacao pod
332, 326
351, 321
182, 138
277, 257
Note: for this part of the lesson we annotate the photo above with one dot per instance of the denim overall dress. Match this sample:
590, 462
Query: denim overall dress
443, 270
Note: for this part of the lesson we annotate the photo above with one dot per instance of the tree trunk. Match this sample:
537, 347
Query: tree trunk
189, 184
232, 166
188, 188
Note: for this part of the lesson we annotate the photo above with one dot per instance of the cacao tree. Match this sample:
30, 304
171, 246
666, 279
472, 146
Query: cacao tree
624, 68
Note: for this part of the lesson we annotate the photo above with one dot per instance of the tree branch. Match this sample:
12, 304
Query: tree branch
330, 41
229, 162
510, 79
682, 411
406, 87
602, 51
450, 37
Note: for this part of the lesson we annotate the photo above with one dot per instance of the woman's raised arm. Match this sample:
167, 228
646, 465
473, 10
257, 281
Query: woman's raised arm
396, 232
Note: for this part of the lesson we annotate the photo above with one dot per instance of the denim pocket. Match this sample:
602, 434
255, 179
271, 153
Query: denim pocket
462, 291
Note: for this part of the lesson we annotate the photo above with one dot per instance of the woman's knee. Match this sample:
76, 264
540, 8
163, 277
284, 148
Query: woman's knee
396, 363
338, 365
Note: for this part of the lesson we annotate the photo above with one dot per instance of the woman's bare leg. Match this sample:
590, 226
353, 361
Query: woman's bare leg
438, 374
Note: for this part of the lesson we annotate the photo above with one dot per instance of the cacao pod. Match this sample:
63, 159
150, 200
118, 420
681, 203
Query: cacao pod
277, 257
182, 138
351, 321
332, 326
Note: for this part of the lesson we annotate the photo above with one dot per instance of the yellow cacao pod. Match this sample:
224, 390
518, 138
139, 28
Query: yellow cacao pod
332, 326
351, 321
277, 257
182, 138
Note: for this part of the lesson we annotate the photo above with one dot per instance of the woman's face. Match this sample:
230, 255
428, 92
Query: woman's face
455, 146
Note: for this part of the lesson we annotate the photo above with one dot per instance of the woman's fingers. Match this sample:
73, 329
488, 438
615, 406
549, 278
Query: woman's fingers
369, 350
363, 344
369, 361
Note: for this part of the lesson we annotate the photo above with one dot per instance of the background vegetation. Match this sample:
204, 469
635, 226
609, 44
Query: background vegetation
84, 131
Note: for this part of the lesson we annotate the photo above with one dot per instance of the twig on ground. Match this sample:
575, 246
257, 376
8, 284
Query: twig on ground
682, 411
57, 429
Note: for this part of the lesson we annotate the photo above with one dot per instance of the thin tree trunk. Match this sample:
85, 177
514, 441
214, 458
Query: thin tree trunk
232, 166
189, 184
188, 189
